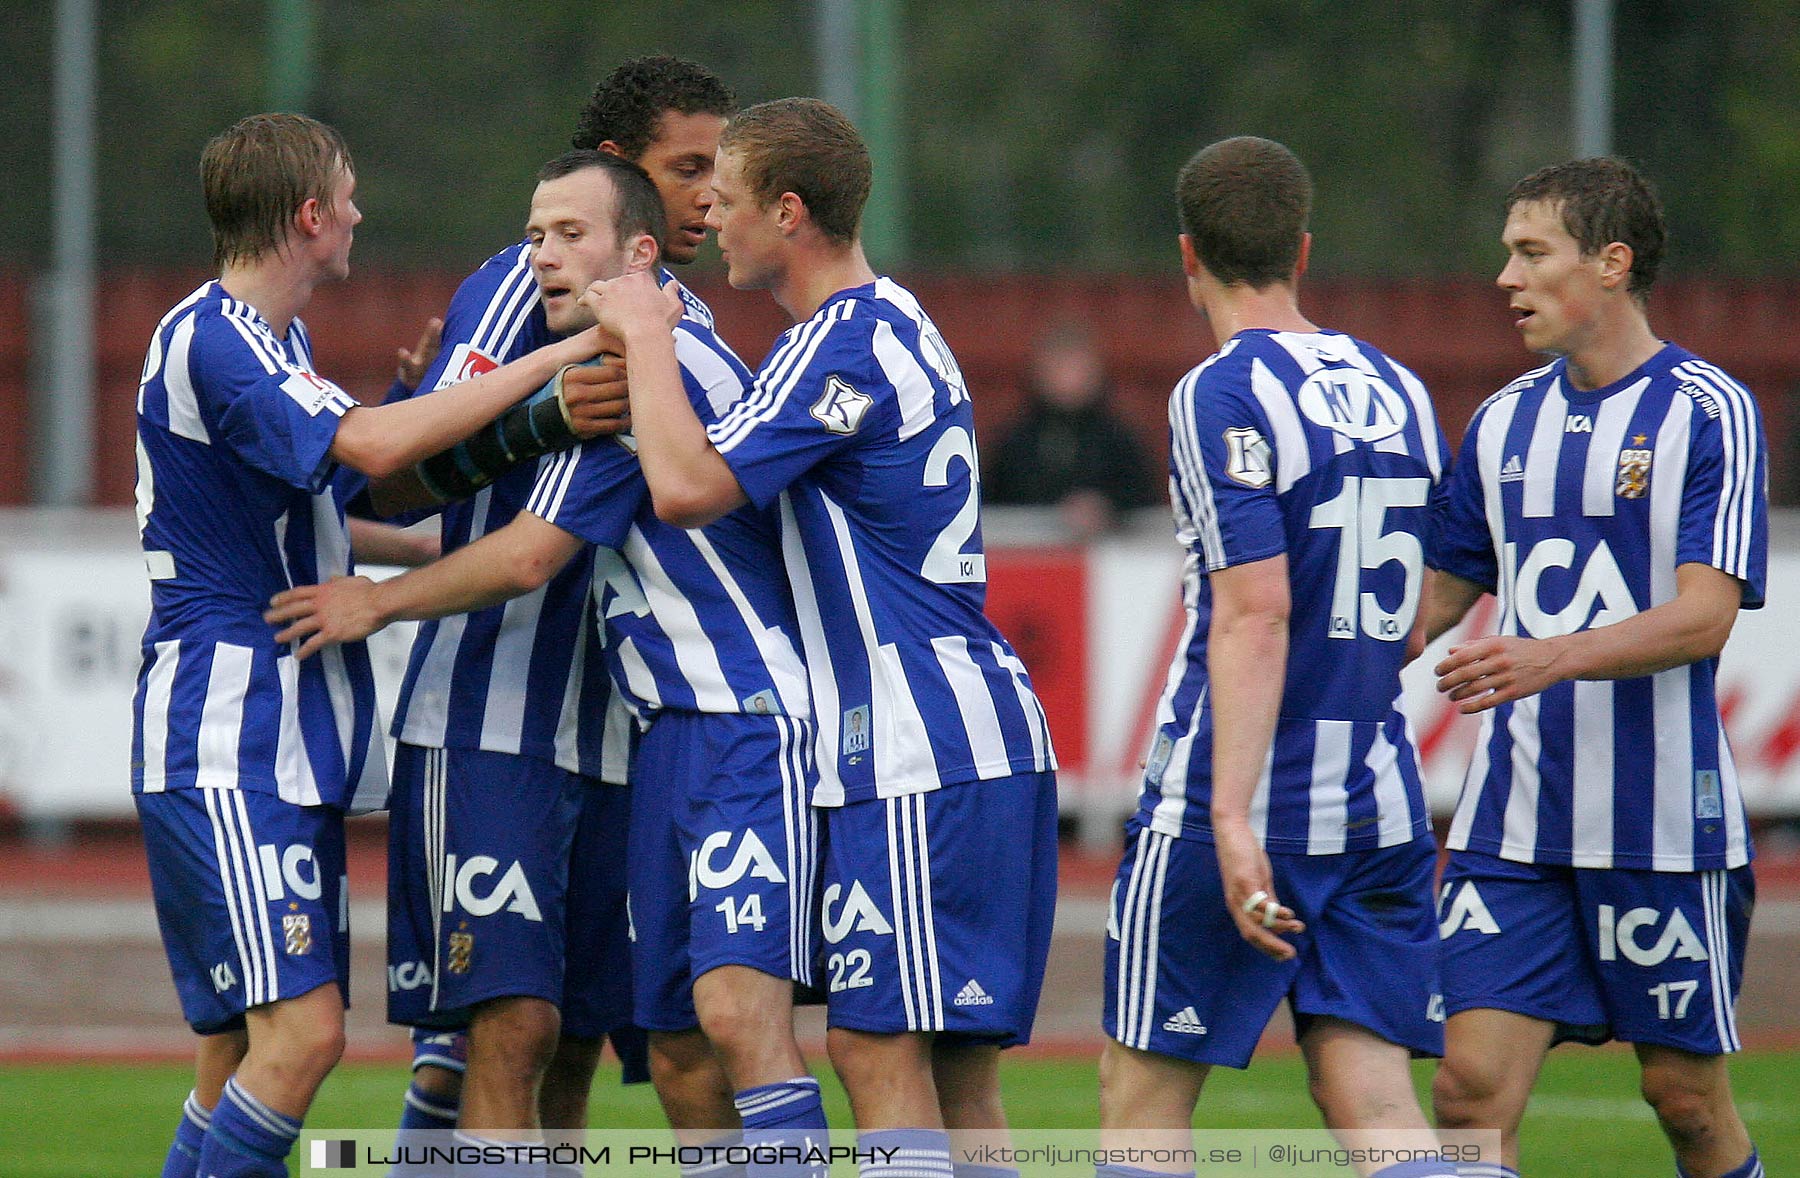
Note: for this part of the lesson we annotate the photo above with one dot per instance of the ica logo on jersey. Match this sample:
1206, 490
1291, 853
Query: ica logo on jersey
1355, 404
1600, 597
1632, 935
856, 914
752, 858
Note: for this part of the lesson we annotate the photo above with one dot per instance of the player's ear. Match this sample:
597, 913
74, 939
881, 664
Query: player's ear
642, 254
790, 212
309, 218
1615, 264
610, 147
1305, 254
1190, 261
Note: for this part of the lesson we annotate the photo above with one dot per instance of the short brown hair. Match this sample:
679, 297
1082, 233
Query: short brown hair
1603, 200
637, 207
806, 147
1245, 202
258, 172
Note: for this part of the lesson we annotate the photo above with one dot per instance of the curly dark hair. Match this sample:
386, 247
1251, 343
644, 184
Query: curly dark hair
626, 105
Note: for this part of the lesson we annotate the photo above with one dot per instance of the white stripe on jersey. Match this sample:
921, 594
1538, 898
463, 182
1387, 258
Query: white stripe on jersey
638, 678
1293, 458
248, 323
783, 662
1037, 722
1520, 824
778, 378
552, 485
506, 311
1426, 415
715, 374
292, 763
1591, 820
1391, 800
178, 383
674, 613
1544, 454
1328, 806
1190, 484
222, 717
826, 714
1610, 423
159, 684
976, 705
503, 710
1737, 412
912, 387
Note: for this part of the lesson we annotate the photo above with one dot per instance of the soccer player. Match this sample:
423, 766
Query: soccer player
512, 702
1281, 847
701, 638
244, 760
859, 428
1615, 500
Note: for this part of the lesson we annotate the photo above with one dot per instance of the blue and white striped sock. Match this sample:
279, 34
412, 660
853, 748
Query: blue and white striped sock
247, 1138
503, 1164
904, 1153
190, 1134
789, 1116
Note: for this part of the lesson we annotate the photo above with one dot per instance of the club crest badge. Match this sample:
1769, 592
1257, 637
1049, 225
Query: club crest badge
296, 928
462, 948
1634, 472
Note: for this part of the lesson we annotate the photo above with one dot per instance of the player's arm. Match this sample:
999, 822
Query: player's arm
1447, 598
502, 565
1688, 628
581, 401
1246, 660
381, 440
691, 485
373, 542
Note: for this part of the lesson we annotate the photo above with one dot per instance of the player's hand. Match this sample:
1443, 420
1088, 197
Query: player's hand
1495, 670
316, 616
597, 398
633, 301
413, 362
1261, 918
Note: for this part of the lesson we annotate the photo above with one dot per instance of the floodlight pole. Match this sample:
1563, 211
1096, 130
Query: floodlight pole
859, 63
1593, 77
62, 451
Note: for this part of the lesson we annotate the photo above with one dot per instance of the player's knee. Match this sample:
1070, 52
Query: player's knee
514, 1034
1464, 1094
679, 1060
1686, 1106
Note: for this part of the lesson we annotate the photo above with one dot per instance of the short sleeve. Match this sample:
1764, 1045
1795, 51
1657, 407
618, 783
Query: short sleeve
1724, 500
820, 393
1222, 468
593, 491
1456, 531
275, 416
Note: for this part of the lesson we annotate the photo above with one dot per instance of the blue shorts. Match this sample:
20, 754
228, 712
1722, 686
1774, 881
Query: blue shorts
1181, 981
478, 871
724, 856
597, 972
938, 907
249, 894
1643, 956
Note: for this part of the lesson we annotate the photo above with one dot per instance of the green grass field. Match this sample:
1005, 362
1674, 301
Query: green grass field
101, 1121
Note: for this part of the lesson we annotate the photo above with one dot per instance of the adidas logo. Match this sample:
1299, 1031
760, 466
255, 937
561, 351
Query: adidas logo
1185, 1022
1513, 471
973, 995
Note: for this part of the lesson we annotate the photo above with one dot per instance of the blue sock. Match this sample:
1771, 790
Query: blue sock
1752, 1168
247, 1138
1485, 1170
965, 1170
1134, 1172
720, 1168
904, 1153
425, 1121
190, 1133
508, 1168
788, 1115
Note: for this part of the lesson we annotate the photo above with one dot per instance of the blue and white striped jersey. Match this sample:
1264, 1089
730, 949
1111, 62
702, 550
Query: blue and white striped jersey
238, 499
1575, 508
525, 677
861, 416
1315, 445
699, 620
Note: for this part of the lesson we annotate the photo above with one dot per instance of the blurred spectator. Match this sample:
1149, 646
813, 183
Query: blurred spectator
1068, 449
